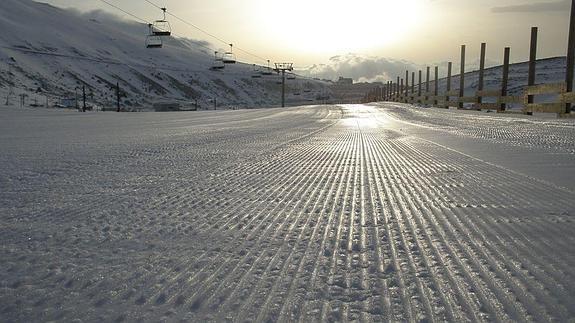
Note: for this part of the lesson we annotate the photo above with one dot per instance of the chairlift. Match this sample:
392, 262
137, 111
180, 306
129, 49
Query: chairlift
218, 63
162, 27
229, 57
153, 41
256, 73
297, 90
268, 70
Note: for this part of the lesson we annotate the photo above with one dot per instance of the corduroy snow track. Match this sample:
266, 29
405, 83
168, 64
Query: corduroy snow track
382, 212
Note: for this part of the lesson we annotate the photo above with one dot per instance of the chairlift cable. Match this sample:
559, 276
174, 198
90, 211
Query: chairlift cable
187, 23
206, 32
126, 12
148, 23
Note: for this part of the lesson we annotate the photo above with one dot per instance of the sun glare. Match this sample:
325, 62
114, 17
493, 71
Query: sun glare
323, 26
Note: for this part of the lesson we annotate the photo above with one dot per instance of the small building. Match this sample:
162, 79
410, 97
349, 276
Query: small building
67, 103
174, 106
166, 106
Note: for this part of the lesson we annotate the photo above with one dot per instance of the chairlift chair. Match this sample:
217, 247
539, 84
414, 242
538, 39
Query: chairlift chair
153, 41
268, 70
256, 73
162, 27
218, 63
297, 90
229, 57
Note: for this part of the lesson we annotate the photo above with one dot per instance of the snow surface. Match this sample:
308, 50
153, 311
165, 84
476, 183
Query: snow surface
58, 51
380, 212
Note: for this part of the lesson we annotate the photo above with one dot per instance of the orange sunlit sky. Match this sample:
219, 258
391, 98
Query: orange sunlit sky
311, 31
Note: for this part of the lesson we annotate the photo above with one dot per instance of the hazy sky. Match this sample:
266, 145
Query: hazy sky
311, 31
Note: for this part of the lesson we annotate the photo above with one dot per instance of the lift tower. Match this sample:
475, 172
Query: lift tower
283, 67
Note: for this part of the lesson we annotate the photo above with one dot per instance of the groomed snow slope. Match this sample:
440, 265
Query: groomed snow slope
374, 213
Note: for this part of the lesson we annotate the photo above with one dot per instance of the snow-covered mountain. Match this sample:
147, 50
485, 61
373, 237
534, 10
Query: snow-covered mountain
50, 53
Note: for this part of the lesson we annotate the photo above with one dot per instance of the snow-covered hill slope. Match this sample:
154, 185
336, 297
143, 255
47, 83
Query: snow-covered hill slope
548, 70
55, 51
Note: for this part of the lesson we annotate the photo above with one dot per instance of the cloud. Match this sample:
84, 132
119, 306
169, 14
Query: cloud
361, 68
535, 7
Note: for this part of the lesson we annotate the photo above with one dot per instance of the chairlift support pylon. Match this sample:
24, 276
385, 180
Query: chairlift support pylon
162, 27
229, 57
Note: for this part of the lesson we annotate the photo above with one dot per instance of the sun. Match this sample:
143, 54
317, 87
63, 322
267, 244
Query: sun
325, 26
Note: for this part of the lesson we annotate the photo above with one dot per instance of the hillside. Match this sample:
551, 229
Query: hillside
49, 53
548, 70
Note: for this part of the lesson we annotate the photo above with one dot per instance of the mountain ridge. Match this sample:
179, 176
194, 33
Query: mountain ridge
56, 51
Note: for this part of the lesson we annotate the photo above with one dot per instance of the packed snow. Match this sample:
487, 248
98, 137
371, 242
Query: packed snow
382, 212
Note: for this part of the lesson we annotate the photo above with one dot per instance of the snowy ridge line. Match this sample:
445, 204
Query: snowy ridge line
54, 63
100, 60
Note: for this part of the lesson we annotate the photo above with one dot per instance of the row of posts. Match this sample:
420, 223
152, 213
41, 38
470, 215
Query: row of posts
403, 86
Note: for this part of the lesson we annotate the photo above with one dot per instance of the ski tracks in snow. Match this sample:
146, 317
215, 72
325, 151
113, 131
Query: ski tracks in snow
305, 215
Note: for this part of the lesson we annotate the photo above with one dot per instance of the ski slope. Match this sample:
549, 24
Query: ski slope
48, 52
380, 212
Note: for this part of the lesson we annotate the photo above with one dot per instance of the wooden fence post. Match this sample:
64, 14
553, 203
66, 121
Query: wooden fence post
436, 87
448, 87
427, 86
412, 83
462, 77
385, 91
401, 89
532, 62
570, 55
505, 79
398, 89
481, 72
419, 88
406, 86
